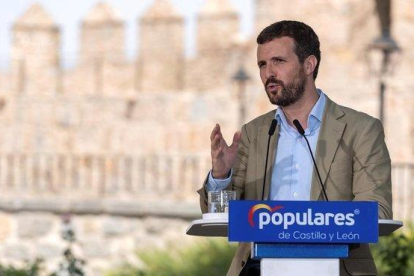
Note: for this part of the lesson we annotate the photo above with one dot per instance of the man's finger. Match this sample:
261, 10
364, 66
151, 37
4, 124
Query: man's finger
215, 143
236, 139
216, 130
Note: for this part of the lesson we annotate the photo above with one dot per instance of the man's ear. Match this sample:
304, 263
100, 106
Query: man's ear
310, 64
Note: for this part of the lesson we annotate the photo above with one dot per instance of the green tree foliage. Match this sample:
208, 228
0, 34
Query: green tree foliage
394, 254
212, 257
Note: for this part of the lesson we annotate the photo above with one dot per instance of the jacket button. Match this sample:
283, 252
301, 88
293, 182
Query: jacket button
243, 263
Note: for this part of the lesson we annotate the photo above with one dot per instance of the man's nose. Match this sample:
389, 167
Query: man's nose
270, 72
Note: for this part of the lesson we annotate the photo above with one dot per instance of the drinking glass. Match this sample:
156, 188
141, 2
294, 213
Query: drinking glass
218, 201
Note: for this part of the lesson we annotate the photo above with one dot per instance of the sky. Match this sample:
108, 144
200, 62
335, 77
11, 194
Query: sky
69, 13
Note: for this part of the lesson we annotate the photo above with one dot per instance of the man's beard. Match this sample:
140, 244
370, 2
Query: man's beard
290, 93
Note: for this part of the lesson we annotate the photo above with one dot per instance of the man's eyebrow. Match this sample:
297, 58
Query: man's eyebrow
278, 57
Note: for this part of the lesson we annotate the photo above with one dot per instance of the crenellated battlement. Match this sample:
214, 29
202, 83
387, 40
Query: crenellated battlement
162, 75
160, 64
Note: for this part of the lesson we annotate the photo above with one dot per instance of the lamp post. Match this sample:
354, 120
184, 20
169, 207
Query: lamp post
387, 46
241, 78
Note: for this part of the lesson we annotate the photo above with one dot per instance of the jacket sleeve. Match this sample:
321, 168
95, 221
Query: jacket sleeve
240, 167
372, 168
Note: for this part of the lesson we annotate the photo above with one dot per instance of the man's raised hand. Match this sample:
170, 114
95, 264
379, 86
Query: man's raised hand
223, 156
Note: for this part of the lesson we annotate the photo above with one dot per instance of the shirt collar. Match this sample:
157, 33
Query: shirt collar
316, 112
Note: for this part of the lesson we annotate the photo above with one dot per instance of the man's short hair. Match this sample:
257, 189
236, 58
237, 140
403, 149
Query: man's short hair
306, 40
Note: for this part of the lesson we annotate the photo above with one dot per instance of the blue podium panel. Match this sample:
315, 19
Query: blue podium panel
297, 250
331, 222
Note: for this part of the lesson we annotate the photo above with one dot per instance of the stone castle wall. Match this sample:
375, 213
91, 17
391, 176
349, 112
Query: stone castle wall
26, 236
120, 143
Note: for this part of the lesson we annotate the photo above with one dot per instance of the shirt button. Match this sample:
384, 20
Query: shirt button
297, 166
295, 194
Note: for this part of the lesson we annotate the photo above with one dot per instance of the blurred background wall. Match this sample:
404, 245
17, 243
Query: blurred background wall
120, 142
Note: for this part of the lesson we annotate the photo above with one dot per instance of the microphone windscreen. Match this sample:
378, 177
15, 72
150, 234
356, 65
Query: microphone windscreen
272, 127
299, 127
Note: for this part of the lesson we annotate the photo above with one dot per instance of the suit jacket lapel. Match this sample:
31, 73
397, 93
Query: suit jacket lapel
263, 136
328, 141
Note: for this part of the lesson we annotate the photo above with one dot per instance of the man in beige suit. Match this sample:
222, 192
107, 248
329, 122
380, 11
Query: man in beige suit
349, 146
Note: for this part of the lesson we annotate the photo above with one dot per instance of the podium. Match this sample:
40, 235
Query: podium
297, 237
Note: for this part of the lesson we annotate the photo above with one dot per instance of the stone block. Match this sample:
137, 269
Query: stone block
34, 225
48, 251
6, 222
95, 248
87, 227
17, 251
115, 226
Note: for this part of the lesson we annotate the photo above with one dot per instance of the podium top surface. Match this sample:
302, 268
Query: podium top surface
387, 226
218, 227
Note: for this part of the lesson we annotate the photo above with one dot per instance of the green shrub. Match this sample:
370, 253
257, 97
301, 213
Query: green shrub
394, 254
30, 269
212, 257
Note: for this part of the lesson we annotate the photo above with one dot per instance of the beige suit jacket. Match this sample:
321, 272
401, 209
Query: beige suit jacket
353, 162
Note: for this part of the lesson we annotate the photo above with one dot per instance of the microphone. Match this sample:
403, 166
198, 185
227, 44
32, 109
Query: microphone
302, 132
271, 132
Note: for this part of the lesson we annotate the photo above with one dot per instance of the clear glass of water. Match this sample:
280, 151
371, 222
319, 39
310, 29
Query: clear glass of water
218, 201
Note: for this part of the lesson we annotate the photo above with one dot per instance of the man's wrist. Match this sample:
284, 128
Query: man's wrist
215, 184
220, 176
